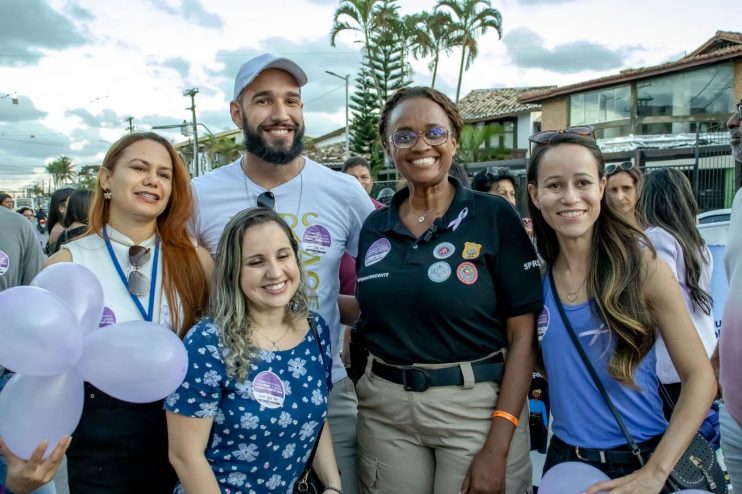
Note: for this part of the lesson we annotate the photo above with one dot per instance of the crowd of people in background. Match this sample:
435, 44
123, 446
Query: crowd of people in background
455, 297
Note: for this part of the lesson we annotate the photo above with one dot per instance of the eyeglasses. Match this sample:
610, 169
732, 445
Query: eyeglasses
739, 110
267, 200
137, 282
623, 166
405, 139
545, 136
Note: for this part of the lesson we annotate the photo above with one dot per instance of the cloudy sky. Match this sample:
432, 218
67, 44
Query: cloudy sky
79, 68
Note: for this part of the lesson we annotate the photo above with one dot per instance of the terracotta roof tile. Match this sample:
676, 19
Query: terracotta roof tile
483, 104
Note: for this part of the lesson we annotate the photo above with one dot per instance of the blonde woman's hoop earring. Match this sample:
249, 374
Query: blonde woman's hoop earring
107, 194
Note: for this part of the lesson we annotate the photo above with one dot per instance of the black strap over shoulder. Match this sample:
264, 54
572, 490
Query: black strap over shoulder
594, 375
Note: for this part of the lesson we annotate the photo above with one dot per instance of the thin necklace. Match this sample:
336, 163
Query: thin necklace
414, 211
275, 208
274, 343
572, 296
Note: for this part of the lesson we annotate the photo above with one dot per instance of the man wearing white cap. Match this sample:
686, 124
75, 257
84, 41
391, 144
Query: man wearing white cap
325, 210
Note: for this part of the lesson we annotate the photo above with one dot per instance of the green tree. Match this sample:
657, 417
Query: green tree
87, 177
363, 17
61, 169
474, 143
365, 119
469, 21
434, 37
222, 150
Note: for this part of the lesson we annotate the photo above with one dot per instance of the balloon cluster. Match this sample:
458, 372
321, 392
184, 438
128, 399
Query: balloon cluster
50, 337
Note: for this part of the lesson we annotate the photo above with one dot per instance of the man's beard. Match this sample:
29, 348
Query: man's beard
737, 151
256, 144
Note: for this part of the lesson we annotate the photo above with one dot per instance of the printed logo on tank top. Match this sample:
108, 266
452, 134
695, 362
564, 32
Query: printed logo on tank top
542, 324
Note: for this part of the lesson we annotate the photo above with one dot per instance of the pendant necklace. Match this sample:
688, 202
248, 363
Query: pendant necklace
572, 296
274, 343
414, 211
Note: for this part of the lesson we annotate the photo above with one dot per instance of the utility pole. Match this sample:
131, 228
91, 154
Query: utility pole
129, 127
192, 93
347, 122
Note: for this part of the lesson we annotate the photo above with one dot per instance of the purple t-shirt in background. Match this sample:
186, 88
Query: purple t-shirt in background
730, 342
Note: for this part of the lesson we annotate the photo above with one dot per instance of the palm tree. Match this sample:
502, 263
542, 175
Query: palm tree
435, 36
474, 141
222, 150
61, 169
469, 22
362, 16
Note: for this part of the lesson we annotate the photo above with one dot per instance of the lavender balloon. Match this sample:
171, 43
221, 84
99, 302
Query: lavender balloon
136, 361
78, 287
39, 333
36, 409
570, 478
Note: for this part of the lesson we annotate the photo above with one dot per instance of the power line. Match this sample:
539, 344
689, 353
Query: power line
323, 95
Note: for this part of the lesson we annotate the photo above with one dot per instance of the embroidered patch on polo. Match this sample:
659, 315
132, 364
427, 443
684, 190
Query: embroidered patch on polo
467, 273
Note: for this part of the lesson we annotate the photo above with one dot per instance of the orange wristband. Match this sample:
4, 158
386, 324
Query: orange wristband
506, 416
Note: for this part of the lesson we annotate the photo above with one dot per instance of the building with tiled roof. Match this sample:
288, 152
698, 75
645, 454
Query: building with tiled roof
662, 115
501, 106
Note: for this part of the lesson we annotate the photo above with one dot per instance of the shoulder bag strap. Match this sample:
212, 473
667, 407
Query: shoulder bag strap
630, 440
315, 333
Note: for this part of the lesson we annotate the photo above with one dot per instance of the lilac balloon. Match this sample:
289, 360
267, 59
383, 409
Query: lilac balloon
570, 478
35, 409
136, 361
39, 334
78, 287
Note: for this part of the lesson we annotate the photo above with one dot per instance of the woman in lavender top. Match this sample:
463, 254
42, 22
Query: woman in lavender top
668, 209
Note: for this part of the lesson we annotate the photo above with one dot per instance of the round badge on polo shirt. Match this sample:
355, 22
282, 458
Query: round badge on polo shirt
316, 240
439, 272
444, 250
467, 273
4, 262
268, 390
377, 251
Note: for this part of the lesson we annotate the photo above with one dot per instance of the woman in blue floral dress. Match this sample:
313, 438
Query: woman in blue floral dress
254, 399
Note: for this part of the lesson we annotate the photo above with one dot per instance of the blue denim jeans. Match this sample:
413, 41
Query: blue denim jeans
731, 446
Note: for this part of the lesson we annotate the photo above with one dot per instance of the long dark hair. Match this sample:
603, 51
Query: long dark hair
616, 270
54, 216
78, 206
666, 201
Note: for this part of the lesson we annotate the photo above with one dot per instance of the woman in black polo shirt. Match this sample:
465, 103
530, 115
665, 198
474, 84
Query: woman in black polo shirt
447, 281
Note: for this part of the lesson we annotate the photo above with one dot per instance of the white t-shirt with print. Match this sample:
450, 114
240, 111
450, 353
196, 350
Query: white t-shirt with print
324, 208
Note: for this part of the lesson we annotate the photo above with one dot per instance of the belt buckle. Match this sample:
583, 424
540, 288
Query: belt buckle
602, 455
415, 379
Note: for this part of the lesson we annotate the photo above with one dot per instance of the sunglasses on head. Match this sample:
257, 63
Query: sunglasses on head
623, 166
267, 200
137, 282
404, 139
546, 136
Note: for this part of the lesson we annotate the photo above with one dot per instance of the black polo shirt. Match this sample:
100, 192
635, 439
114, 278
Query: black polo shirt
444, 297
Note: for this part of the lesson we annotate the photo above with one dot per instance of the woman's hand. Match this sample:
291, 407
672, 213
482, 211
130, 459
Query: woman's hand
27, 475
486, 474
646, 480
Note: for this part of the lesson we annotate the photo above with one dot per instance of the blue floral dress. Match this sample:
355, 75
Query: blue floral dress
264, 426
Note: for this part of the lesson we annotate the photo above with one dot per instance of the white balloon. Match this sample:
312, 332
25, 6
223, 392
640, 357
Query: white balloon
36, 409
136, 361
78, 287
39, 334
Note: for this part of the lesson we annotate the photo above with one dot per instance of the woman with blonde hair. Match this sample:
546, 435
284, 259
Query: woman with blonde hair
150, 269
253, 404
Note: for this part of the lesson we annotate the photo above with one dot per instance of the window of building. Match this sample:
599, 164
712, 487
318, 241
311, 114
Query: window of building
505, 140
603, 105
707, 90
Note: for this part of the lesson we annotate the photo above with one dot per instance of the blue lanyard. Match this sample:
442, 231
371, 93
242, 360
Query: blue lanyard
146, 315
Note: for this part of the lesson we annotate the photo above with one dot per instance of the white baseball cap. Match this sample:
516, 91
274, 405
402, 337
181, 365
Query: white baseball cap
252, 68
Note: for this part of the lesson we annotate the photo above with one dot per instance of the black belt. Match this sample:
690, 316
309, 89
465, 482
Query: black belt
620, 456
419, 379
